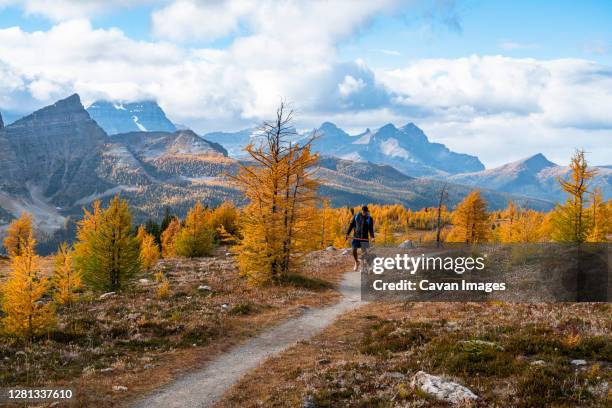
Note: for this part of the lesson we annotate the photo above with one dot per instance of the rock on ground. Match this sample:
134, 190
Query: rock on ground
406, 244
442, 389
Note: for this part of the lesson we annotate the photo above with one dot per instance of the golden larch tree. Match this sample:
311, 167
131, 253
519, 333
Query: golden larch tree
601, 218
571, 221
168, 237
107, 251
225, 216
196, 238
66, 280
278, 222
149, 251
87, 228
470, 220
18, 234
25, 314
525, 227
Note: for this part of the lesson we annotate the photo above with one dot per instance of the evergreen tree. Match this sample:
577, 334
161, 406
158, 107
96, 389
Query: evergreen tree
470, 220
18, 234
166, 220
66, 280
570, 221
151, 227
195, 239
25, 314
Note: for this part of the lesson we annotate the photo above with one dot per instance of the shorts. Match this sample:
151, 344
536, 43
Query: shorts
358, 243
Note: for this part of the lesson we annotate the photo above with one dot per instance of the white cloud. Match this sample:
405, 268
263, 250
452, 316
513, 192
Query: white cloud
493, 106
293, 21
562, 93
350, 85
193, 20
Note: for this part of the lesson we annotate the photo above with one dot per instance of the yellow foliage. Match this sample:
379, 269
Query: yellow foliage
18, 234
571, 221
195, 238
25, 314
521, 226
470, 220
278, 224
385, 235
600, 217
107, 252
163, 291
168, 237
66, 280
159, 276
149, 251
225, 216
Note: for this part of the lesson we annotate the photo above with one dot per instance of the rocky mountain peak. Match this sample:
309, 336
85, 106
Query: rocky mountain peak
538, 162
388, 129
57, 147
64, 110
328, 125
140, 116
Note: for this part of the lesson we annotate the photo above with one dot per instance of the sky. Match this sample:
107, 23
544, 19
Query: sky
498, 79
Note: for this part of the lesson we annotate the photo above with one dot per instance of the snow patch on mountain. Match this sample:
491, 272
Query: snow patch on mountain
392, 148
140, 126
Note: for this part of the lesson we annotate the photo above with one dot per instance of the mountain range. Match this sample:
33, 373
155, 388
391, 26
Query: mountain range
534, 176
59, 159
407, 148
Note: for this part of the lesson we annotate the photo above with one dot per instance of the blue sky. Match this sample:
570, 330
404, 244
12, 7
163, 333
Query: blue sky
499, 79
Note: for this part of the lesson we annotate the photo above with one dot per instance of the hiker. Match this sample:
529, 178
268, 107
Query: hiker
363, 226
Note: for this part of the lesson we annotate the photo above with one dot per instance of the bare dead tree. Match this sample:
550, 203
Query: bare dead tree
442, 197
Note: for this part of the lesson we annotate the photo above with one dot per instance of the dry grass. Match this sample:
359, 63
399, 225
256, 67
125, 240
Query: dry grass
139, 340
367, 358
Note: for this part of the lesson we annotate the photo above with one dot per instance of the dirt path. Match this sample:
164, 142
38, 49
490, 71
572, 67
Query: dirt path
204, 387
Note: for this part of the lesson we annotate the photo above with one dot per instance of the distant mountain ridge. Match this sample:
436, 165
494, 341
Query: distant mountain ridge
57, 159
143, 116
534, 176
407, 148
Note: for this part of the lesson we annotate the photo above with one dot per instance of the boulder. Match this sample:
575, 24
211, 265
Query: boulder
107, 295
442, 389
204, 288
578, 362
406, 244
120, 388
330, 249
144, 281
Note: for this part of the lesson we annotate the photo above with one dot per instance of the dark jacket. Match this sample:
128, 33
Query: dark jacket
363, 226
